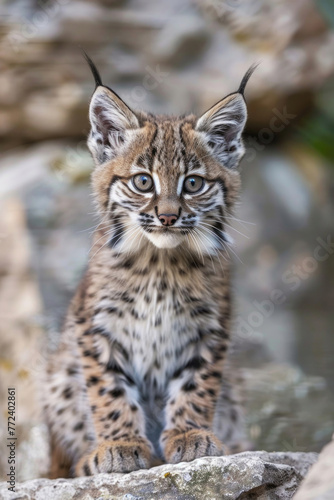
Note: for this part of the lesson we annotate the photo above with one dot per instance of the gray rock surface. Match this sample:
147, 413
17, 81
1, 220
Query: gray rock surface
319, 482
257, 475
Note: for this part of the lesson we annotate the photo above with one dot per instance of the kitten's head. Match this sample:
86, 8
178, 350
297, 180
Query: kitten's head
169, 180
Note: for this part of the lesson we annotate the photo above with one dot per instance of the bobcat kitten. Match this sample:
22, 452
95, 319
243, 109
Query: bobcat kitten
140, 370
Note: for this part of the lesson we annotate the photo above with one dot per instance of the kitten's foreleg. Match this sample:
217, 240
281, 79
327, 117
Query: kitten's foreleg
191, 406
119, 423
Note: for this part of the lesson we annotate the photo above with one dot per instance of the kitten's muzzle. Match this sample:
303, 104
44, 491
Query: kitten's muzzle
168, 219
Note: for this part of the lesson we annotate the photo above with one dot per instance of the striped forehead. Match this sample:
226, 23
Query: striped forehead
169, 159
166, 158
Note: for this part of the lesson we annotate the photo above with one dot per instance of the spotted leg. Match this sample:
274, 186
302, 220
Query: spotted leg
118, 419
190, 408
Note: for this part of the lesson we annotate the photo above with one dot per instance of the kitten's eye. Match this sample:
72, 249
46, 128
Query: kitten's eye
143, 182
193, 184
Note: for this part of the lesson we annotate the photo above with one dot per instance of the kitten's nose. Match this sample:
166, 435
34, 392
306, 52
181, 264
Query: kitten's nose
168, 219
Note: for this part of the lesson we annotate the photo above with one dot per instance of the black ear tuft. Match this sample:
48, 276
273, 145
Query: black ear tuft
94, 70
245, 79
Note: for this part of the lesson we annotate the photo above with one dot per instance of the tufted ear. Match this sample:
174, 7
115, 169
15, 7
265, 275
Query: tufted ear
111, 124
110, 118
223, 124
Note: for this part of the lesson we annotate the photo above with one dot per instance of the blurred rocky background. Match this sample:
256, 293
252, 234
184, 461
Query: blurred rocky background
175, 57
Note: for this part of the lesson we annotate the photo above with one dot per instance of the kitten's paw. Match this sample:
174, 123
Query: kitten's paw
186, 446
116, 456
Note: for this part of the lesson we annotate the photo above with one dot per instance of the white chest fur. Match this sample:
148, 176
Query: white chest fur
153, 327
153, 333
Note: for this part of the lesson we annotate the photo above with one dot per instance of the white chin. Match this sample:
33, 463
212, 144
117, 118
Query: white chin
164, 240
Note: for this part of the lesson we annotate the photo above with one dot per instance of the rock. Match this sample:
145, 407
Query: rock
181, 41
206, 46
284, 408
21, 360
27, 167
257, 475
319, 482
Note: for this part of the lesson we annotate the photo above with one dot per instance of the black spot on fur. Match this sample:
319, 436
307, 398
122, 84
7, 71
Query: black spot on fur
196, 408
72, 371
195, 363
199, 311
112, 310
127, 263
162, 286
114, 415
86, 470
189, 386
154, 259
79, 426
79, 321
193, 425
88, 353
126, 298
177, 373
118, 233
134, 313
93, 380
117, 392
157, 321
67, 393
116, 368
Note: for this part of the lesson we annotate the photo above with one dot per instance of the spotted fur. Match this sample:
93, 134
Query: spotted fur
141, 367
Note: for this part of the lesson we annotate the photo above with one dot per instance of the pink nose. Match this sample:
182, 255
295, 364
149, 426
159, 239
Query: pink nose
168, 219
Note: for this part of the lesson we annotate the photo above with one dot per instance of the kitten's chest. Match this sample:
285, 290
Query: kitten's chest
159, 328
157, 320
